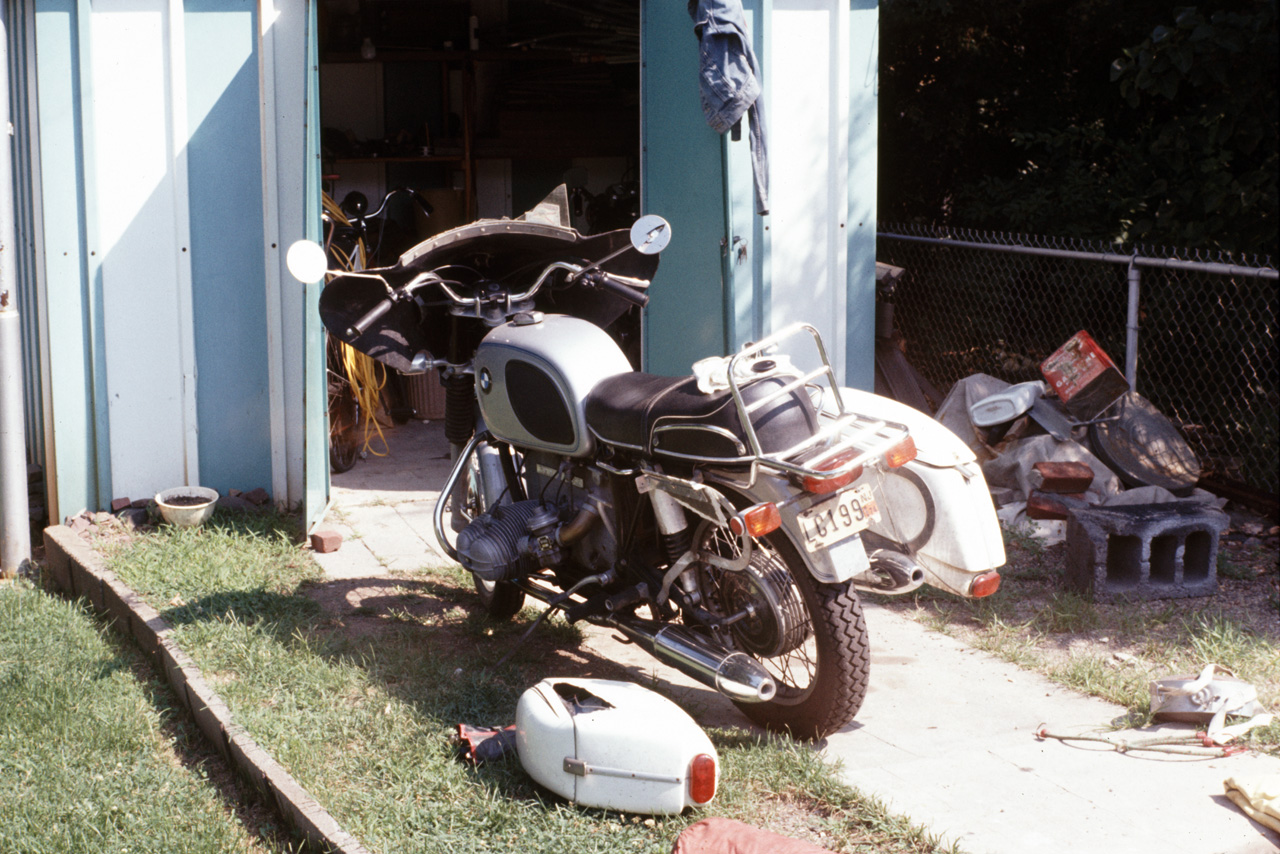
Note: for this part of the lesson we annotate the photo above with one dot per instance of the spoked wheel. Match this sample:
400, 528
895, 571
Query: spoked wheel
344, 420
810, 637
501, 600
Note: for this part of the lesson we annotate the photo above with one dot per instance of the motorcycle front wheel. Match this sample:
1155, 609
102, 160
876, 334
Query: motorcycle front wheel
810, 637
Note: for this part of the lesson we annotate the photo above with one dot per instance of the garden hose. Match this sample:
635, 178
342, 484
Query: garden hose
1185, 744
359, 370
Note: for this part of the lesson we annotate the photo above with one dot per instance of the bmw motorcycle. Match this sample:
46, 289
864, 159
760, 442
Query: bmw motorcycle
726, 522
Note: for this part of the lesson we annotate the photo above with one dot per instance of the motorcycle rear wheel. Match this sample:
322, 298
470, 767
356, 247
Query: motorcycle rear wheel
344, 420
811, 637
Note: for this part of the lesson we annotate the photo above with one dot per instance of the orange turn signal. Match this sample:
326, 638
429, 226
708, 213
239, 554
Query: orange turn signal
702, 778
985, 584
825, 485
901, 453
758, 520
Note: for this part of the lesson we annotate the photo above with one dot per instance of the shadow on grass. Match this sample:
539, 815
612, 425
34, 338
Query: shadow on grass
424, 641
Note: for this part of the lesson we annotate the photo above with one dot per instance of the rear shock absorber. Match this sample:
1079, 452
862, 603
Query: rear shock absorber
674, 531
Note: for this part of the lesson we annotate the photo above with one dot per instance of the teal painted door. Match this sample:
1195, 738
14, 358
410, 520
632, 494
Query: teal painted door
682, 179
746, 259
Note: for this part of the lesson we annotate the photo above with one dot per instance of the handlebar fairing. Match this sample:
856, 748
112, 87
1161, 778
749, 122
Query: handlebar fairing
505, 255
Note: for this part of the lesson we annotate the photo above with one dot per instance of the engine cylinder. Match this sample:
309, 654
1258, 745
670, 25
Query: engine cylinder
491, 546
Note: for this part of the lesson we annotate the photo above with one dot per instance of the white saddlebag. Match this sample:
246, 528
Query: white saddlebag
614, 745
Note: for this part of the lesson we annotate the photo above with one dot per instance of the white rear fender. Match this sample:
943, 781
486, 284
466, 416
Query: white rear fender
943, 517
935, 444
936, 507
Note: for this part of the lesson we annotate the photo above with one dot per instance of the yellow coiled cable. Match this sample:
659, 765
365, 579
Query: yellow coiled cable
361, 371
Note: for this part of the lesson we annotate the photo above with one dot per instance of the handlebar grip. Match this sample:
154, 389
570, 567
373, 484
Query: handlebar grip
617, 286
358, 328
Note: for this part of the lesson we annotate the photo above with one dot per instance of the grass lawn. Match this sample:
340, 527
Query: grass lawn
360, 706
93, 756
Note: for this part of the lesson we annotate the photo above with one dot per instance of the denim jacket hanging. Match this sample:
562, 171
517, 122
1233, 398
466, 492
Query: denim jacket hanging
730, 80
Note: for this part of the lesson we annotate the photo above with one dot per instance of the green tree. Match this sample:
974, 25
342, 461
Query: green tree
1019, 116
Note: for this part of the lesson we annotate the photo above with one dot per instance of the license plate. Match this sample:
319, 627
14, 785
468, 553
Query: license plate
838, 517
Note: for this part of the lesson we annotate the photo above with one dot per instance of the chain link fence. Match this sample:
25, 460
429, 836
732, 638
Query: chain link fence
1197, 332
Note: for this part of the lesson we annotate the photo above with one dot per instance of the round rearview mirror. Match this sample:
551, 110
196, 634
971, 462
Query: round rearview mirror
307, 261
650, 234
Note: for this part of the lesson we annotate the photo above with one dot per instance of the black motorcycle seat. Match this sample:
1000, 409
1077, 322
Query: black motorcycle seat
670, 415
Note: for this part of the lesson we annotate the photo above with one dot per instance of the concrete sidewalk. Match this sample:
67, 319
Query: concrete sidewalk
946, 735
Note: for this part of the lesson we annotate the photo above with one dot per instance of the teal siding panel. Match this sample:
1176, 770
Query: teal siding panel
682, 179
224, 169
72, 291
863, 132
316, 494
20, 28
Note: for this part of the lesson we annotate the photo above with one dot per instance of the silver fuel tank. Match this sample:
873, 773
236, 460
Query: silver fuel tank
533, 375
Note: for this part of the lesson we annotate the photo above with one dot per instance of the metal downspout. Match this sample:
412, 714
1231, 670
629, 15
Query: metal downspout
15, 522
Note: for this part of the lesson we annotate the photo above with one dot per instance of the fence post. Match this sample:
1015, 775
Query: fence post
1131, 336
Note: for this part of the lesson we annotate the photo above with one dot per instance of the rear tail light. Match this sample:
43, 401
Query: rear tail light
985, 584
901, 453
757, 521
702, 778
824, 485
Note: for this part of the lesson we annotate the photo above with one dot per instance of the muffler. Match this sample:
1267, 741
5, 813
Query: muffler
891, 572
734, 674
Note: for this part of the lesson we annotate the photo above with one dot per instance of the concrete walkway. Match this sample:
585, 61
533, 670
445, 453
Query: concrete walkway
946, 735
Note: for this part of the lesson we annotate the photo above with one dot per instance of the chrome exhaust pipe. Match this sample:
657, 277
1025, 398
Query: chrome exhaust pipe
734, 674
891, 572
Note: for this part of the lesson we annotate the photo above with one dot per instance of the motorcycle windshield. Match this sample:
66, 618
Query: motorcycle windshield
497, 256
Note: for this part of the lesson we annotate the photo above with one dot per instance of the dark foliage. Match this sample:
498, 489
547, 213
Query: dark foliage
1126, 122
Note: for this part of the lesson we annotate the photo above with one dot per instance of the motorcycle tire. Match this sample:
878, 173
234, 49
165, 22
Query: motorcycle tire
811, 637
501, 600
343, 457
344, 419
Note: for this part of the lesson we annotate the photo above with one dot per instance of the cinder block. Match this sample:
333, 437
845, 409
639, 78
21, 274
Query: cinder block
1144, 551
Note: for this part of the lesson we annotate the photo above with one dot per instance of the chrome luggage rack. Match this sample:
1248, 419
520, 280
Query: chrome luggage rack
840, 431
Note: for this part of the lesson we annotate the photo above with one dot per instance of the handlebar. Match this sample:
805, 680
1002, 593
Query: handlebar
624, 287
384, 305
380, 308
620, 286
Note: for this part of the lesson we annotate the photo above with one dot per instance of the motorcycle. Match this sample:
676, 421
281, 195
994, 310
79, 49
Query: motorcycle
726, 522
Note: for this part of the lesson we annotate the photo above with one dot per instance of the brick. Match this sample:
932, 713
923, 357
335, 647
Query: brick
1041, 505
326, 541
118, 504
258, 496
1063, 478
57, 563
235, 502
1144, 551
132, 519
